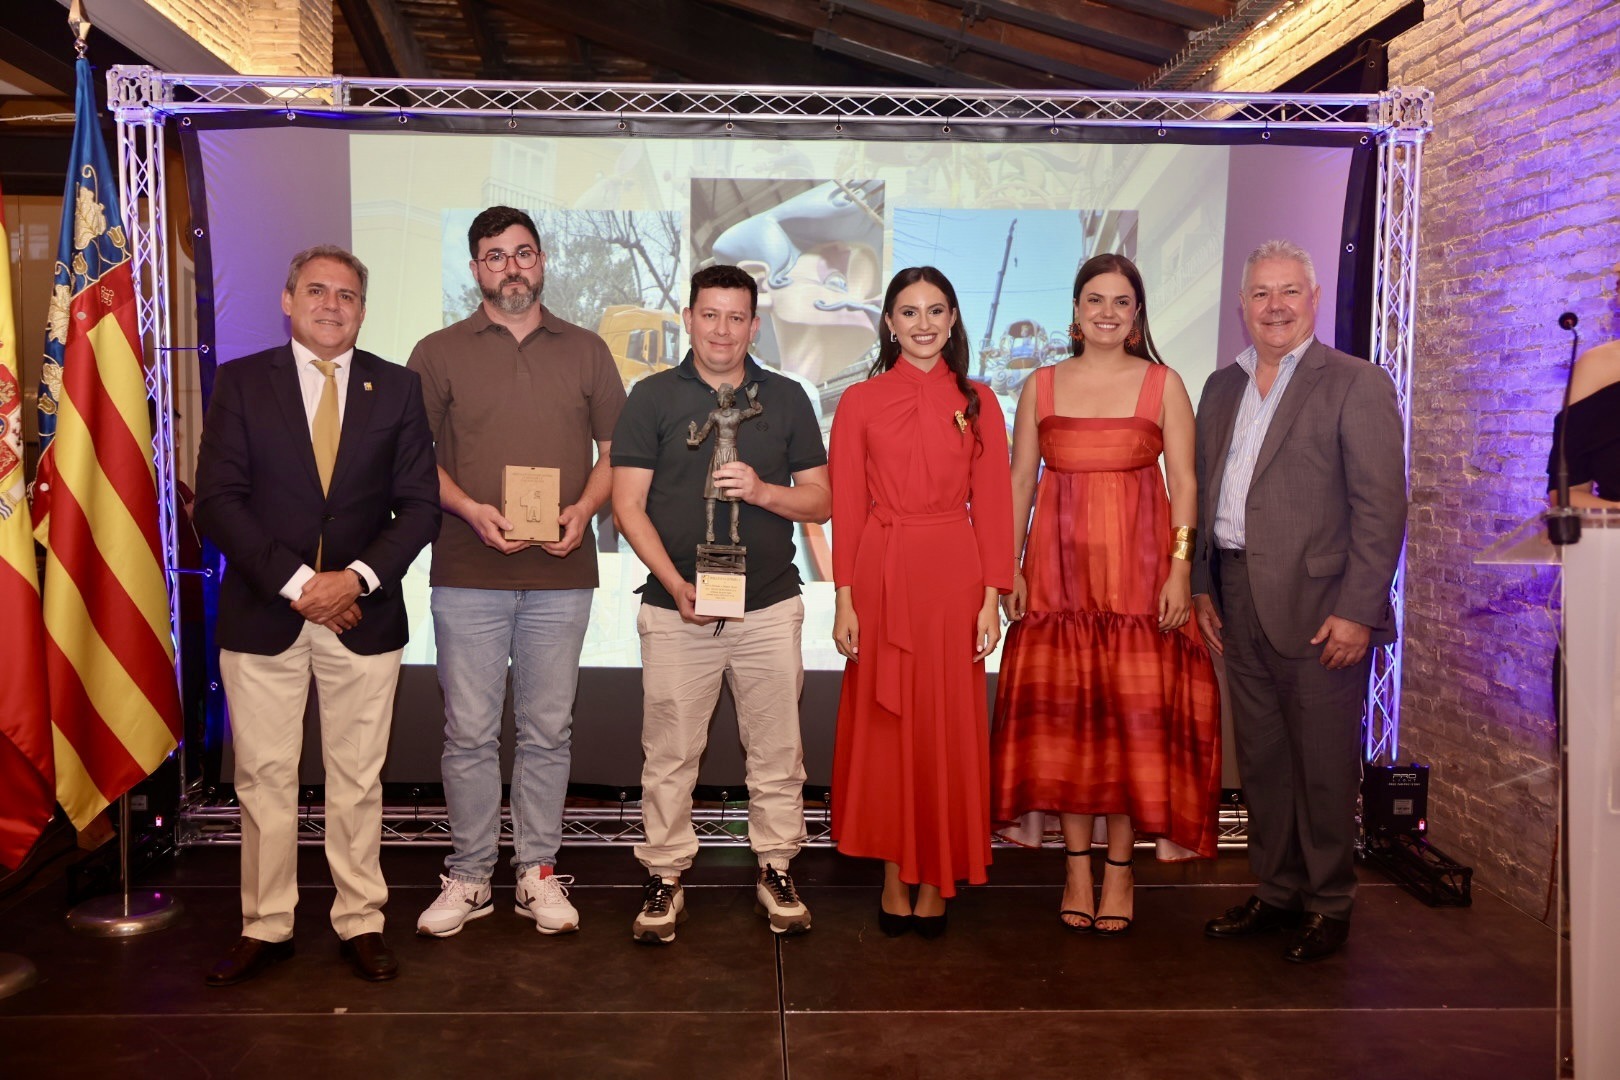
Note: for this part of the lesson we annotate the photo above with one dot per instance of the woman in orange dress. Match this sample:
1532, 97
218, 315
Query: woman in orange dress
922, 546
1107, 702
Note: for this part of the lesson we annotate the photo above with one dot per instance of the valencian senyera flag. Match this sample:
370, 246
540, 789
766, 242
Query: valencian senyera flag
27, 784
115, 708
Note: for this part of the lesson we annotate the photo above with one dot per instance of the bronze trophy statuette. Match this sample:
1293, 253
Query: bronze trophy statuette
530, 500
722, 568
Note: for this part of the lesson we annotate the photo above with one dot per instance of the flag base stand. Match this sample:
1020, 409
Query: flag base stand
17, 974
125, 914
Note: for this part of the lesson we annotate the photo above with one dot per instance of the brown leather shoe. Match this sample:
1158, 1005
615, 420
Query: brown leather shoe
1253, 916
1319, 935
370, 957
248, 958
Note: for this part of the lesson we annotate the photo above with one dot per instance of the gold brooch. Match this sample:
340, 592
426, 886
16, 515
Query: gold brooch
961, 422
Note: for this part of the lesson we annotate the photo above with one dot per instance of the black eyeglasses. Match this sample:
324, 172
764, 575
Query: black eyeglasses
525, 257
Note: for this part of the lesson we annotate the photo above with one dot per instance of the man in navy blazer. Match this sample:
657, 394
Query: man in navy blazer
316, 479
1302, 495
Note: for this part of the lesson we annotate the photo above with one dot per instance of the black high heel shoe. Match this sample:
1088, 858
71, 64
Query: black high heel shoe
894, 925
1125, 920
929, 926
1090, 919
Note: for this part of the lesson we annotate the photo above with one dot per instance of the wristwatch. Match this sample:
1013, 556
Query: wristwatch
365, 586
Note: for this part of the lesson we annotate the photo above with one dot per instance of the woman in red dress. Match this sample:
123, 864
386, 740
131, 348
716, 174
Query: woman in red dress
921, 548
1107, 701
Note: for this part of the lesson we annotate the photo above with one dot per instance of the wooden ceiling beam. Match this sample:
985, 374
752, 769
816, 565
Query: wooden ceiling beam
1149, 40
479, 32
386, 44
946, 44
43, 69
923, 71
698, 41
1192, 14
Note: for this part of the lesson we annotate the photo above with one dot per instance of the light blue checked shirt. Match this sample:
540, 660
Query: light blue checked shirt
1248, 432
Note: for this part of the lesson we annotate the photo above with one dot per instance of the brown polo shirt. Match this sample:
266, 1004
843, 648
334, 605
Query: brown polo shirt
494, 401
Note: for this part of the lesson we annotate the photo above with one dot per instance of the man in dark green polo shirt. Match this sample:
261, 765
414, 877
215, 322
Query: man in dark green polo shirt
780, 478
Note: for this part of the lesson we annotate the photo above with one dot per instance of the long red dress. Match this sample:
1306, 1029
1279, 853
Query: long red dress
1097, 712
922, 524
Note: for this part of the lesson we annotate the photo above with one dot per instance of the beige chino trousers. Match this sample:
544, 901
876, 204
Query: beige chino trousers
267, 695
762, 661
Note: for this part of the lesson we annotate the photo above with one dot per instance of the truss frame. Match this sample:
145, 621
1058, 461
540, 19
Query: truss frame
145, 100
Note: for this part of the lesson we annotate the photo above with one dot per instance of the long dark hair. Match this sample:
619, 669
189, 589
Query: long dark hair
955, 353
1110, 263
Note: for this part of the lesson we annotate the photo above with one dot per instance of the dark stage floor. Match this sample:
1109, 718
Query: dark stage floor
1418, 992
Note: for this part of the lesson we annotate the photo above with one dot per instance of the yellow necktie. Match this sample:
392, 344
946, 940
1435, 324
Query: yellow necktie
324, 432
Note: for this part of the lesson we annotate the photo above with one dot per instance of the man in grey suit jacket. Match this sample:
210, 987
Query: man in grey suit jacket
1302, 487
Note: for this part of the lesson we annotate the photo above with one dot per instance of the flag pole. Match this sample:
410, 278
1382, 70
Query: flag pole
127, 913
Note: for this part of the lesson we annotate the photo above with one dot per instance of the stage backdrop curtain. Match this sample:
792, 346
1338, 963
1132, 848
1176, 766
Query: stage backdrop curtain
115, 708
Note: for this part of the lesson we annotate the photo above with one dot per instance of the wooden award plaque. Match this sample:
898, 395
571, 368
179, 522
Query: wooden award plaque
530, 500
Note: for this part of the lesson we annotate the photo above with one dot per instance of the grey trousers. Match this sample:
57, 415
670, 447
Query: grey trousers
1297, 727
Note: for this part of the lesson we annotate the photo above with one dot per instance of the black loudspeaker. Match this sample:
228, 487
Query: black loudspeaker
1395, 799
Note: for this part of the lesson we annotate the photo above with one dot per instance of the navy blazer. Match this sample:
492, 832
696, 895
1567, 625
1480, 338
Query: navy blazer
259, 496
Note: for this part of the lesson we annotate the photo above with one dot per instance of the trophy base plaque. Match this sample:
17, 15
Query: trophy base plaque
531, 501
721, 580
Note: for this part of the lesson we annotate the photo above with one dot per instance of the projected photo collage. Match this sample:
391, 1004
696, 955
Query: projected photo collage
820, 225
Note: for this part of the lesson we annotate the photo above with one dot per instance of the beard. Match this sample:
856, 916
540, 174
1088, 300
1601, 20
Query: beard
514, 303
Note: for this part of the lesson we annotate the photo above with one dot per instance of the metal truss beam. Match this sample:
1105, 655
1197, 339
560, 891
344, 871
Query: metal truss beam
141, 193
1394, 327
144, 100
139, 91
582, 827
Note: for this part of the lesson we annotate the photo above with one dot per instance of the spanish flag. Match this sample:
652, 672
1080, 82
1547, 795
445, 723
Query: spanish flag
109, 654
27, 778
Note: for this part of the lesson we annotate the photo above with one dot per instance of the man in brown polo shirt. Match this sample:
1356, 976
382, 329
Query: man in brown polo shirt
511, 384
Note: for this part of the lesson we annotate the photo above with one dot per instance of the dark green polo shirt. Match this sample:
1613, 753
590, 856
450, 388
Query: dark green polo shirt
783, 440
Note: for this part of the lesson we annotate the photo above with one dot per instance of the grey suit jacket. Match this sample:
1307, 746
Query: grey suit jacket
1326, 509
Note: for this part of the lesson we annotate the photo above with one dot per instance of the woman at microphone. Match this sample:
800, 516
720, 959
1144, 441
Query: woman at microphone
1589, 429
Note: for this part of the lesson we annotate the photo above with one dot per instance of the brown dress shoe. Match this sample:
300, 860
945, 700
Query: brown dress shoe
248, 958
1253, 916
370, 957
1319, 935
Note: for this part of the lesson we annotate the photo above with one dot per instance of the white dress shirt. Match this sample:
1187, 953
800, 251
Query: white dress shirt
1248, 431
311, 383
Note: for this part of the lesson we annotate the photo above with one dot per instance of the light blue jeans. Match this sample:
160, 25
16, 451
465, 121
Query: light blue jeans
540, 632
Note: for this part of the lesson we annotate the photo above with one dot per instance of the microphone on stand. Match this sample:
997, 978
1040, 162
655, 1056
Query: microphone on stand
1563, 520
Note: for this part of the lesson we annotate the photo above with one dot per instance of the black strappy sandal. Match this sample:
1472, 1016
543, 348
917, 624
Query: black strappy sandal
1114, 931
1090, 919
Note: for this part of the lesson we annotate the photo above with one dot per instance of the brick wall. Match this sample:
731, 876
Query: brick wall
259, 37
1520, 221
220, 26
292, 37
1272, 54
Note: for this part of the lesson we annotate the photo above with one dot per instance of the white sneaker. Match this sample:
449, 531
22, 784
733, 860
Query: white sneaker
545, 900
457, 902
663, 904
777, 899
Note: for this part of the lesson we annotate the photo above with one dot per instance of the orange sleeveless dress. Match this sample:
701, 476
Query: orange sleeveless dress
1097, 712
